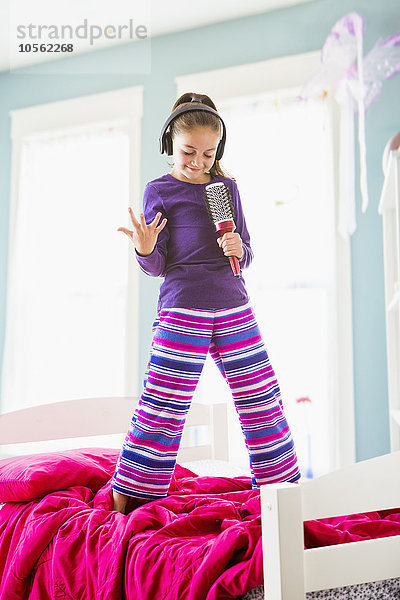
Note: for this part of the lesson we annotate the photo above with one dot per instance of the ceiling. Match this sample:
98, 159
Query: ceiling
159, 17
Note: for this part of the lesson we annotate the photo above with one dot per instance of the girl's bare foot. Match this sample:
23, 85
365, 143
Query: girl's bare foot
119, 502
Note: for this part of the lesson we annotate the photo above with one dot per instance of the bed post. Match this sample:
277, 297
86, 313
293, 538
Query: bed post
282, 541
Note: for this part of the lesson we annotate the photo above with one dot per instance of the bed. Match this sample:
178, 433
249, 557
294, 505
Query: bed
213, 537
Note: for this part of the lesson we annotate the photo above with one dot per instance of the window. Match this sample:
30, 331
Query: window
285, 176
69, 321
282, 153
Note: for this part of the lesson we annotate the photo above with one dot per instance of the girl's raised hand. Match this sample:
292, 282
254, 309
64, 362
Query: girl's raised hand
144, 236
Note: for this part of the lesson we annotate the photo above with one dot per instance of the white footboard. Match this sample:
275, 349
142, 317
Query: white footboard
289, 571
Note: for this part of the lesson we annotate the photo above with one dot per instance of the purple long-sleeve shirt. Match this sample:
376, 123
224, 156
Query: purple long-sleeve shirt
196, 272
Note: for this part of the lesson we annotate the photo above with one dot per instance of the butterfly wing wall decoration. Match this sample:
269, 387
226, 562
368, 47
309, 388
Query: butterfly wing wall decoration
356, 83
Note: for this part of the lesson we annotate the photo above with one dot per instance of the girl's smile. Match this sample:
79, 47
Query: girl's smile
194, 154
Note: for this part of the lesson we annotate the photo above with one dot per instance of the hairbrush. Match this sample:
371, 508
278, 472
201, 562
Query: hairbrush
220, 209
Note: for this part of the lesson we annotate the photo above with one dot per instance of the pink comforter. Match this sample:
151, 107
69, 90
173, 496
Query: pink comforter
201, 542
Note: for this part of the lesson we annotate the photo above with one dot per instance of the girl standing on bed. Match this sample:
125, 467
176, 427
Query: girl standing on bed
202, 308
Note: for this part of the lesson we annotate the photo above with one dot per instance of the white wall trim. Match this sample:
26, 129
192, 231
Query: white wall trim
123, 108
283, 73
252, 78
115, 105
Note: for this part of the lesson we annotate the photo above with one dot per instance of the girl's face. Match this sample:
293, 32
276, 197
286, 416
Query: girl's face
194, 154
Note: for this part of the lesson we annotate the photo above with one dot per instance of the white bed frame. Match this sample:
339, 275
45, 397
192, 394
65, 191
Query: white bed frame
103, 416
289, 570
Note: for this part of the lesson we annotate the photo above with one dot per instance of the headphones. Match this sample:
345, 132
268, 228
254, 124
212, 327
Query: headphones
165, 140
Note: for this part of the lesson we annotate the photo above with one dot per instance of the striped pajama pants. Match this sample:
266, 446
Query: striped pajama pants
182, 339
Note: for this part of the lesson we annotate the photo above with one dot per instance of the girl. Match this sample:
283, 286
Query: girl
202, 307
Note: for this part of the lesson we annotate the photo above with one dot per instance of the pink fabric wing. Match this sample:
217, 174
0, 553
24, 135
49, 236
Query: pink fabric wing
338, 56
381, 63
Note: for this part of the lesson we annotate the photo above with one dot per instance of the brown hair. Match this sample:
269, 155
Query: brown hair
198, 118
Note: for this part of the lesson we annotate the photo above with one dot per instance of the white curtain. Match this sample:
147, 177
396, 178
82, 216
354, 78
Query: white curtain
67, 270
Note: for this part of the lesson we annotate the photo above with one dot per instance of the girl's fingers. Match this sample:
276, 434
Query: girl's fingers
143, 221
143, 225
156, 220
230, 241
126, 231
135, 222
231, 235
231, 244
161, 226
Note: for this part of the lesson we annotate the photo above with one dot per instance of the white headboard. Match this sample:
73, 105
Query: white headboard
86, 417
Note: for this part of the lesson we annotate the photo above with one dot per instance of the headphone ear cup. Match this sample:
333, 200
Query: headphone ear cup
220, 150
168, 143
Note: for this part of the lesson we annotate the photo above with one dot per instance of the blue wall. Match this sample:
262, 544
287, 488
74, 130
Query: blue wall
280, 33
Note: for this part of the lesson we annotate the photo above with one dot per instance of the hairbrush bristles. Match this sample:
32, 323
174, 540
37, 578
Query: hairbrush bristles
220, 208
219, 202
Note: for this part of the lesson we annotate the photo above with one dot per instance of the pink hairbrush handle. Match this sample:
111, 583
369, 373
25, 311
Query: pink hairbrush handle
227, 227
234, 265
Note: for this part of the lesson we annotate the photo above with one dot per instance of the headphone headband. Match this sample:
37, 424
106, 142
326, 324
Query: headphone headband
165, 140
